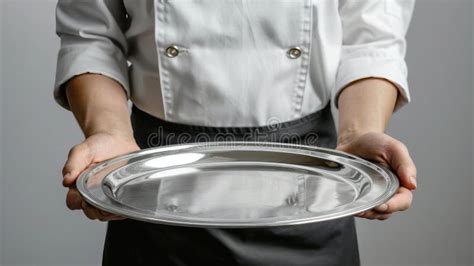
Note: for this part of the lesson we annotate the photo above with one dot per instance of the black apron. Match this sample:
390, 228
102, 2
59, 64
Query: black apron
130, 242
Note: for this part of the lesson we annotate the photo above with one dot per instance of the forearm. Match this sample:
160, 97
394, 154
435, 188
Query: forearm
99, 105
365, 106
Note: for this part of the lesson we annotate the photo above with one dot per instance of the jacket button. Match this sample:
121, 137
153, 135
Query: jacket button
294, 52
172, 51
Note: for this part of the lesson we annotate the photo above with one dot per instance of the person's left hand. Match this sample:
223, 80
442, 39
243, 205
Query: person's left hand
379, 147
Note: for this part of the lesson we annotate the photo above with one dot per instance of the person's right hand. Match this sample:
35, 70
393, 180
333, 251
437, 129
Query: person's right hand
94, 149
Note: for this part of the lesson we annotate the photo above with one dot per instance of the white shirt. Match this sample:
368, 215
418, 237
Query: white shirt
233, 63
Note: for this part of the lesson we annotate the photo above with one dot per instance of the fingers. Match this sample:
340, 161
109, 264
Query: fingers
91, 212
400, 160
73, 199
373, 215
96, 214
79, 159
401, 201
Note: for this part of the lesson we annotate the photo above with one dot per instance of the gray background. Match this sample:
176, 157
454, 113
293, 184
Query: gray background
35, 135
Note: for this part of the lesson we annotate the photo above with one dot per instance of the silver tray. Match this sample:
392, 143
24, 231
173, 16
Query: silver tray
236, 184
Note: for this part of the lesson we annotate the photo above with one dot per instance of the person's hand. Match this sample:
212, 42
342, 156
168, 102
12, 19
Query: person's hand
392, 153
94, 149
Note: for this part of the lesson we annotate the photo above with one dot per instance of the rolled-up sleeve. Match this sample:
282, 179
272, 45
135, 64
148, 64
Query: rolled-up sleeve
374, 43
92, 41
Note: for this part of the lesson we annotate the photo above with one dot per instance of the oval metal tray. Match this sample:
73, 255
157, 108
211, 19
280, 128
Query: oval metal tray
236, 184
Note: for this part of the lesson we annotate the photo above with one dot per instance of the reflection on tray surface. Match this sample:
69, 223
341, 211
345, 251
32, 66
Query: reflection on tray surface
234, 192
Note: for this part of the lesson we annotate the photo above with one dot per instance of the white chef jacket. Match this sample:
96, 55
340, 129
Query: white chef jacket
233, 63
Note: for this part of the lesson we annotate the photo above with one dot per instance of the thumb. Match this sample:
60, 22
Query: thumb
400, 160
79, 158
